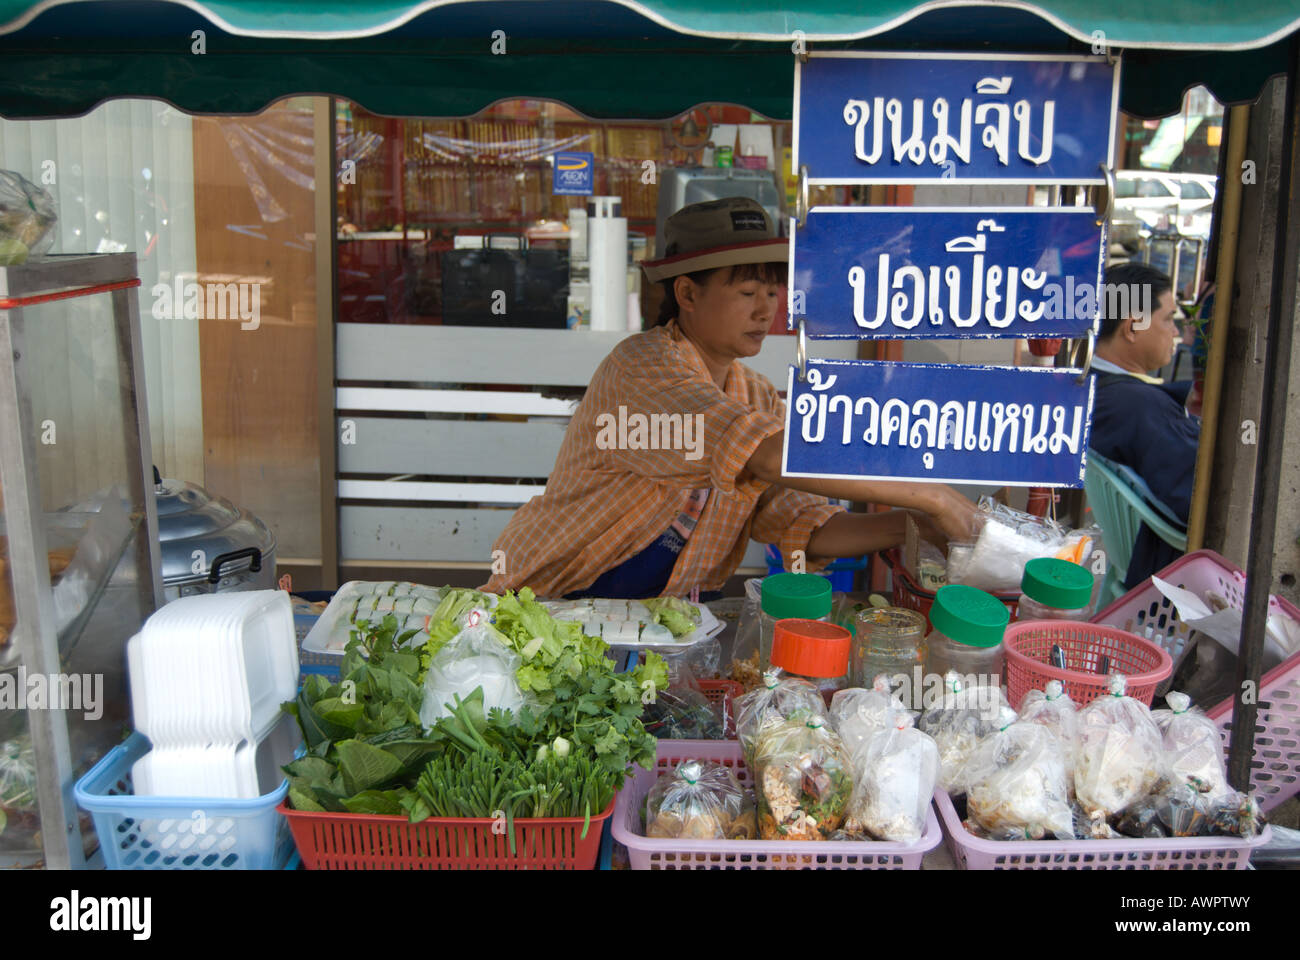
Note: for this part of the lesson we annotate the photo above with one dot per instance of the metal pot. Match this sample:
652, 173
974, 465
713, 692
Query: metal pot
208, 545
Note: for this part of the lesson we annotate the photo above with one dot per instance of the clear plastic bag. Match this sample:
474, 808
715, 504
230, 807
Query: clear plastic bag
17, 775
1120, 754
1006, 539
894, 773
475, 657
1053, 708
803, 780
1193, 747
958, 724
700, 800
857, 714
683, 711
776, 700
27, 219
746, 643
1015, 784
702, 659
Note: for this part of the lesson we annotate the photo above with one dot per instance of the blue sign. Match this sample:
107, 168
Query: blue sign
893, 273
573, 174
862, 419
978, 119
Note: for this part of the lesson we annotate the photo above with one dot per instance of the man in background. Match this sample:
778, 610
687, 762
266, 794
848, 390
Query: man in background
1138, 420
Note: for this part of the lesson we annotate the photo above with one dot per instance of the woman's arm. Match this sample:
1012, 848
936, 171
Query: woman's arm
952, 512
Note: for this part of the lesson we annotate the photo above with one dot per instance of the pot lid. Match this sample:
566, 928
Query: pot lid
195, 527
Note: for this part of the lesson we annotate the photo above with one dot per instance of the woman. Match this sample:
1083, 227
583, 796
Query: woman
672, 462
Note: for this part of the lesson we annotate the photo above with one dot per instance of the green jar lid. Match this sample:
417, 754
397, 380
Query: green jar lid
802, 596
1055, 583
969, 616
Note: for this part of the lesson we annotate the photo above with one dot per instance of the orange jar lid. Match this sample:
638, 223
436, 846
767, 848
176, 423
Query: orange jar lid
810, 648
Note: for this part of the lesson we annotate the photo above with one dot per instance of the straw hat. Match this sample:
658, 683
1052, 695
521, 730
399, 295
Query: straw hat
717, 233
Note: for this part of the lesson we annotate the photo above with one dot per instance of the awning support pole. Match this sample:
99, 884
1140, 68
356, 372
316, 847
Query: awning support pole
1269, 456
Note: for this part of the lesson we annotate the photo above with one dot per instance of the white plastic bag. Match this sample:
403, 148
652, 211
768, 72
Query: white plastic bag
856, 713
778, 699
1015, 784
475, 657
894, 773
1053, 708
1120, 755
1193, 747
958, 724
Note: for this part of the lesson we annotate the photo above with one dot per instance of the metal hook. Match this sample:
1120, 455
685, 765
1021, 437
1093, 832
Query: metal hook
801, 201
1104, 218
801, 351
1087, 357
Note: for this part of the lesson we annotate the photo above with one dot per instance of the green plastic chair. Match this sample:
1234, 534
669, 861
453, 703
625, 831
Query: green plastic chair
1120, 511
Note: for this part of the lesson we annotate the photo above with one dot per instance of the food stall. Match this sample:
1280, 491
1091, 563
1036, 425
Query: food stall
250, 56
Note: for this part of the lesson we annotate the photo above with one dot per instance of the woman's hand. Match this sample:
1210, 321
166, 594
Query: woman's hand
951, 515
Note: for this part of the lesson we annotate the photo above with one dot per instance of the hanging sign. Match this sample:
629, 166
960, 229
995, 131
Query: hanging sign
888, 118
573, 175
1017, 426
946, 272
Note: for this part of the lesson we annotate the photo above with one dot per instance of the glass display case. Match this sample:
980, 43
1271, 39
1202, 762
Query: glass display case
79, 569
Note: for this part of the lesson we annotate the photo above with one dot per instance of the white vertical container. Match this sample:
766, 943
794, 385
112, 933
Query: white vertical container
607, 255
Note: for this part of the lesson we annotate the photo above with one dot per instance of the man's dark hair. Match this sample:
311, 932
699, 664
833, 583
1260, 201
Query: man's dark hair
1116, 308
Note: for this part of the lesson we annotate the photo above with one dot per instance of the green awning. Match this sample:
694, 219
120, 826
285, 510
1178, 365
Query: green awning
605, 58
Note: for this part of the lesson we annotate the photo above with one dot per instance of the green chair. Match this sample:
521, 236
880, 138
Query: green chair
1120, 511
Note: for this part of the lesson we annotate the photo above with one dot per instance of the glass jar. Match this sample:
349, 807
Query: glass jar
888, 640
789, 596
1053, 589
966, 636
812, 650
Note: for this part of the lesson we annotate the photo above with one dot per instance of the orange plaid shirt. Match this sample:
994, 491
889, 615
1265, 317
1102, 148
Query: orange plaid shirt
602, 506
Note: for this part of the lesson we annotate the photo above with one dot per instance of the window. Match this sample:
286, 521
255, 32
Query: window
1192, 190
1153, 188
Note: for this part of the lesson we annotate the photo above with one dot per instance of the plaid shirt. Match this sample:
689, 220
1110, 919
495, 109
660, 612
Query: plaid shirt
605, 502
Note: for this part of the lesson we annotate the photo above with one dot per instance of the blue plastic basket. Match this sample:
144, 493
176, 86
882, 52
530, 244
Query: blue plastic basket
179, 833
839, 572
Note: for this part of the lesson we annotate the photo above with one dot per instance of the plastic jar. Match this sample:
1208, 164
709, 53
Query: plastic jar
888, 640
1054, 589
789, 596
968, 625
813, 650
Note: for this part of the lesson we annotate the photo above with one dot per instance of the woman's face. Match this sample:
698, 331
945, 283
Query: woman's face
727, 319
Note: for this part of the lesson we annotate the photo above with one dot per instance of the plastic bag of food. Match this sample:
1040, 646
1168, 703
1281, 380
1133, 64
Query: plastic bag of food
27, 219
1053, 708
1120, 753
1193, 748
776, 700
17, 775
746, 643
684, 711
475, 657
1236, 814
803, 780
895, 773
700, 800
857, 713
958, 723
1015, 784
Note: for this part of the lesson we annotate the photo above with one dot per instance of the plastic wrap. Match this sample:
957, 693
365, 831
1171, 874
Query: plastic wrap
895, 773
27, 219
857, 714
475, 657
803, 779
775, 701
1015, 784
958, 723
700, 800
1193, 747
1053, 708
1120, 753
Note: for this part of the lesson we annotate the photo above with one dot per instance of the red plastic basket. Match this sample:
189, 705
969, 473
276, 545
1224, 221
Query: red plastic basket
1028, 645
352, 841
909, 594
724, 692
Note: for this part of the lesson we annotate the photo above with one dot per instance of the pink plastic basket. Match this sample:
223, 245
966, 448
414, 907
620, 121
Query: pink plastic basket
1092, 653
652, 854
1145, 612
1181, 853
